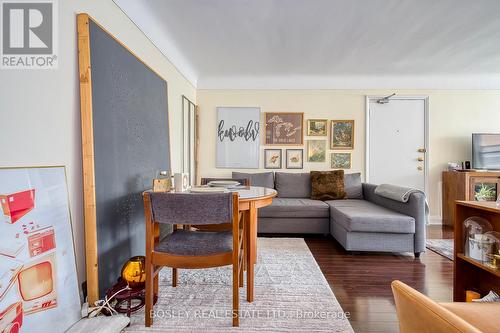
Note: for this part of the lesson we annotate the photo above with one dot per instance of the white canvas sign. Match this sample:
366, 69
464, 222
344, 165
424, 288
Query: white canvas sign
238, 132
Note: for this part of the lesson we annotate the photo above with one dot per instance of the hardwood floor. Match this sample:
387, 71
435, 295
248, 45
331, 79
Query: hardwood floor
361, 281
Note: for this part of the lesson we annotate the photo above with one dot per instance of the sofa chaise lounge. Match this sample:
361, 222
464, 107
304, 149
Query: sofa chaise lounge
364, 221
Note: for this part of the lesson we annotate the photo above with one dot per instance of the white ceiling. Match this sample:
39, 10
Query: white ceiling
256, 44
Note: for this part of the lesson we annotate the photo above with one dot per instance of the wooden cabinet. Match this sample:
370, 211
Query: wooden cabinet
470, 274
467, 186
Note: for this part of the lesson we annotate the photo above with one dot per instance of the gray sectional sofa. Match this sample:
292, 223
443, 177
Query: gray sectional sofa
364, 221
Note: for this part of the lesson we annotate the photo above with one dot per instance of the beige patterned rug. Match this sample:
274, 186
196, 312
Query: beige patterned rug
443, 247
291, 295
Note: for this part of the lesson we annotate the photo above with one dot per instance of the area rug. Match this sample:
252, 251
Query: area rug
443, 247
291, 295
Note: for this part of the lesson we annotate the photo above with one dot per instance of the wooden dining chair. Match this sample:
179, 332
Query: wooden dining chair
242, 181
192, 249
218, 227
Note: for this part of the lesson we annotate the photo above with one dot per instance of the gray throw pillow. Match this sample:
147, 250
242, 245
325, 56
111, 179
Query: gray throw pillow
264, 179
293, 185
352, 186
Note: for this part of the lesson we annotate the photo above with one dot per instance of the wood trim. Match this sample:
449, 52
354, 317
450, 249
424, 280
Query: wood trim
85, 77
196, 144
262, 199
149, 269
489, 206
188, 262
457, 185
123, 45
468, 273
236, 260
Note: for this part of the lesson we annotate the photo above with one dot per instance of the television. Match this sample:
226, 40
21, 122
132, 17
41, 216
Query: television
486, 151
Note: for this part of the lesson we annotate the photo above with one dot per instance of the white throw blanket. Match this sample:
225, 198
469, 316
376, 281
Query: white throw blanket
401, 194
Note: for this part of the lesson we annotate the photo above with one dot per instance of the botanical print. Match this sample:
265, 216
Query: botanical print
316, 127
238, 133
284, 128
294, 158
341, 160
316, 150
342, 134
38, 282
272, 158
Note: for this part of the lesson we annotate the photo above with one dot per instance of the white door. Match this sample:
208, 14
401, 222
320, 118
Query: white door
397, 145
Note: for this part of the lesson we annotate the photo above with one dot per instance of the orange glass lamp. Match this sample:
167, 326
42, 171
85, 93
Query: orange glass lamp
134, 273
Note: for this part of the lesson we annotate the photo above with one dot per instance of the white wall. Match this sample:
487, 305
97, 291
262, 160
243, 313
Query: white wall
40, 110
454, 115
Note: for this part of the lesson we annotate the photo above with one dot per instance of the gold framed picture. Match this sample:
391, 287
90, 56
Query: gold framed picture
317, 127
341, 160
316, 150
284, 128
342, 134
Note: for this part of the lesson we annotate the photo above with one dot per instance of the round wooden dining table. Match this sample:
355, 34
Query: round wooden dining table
251, 198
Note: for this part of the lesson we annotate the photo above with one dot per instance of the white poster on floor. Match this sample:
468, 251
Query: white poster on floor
238, 133
38, 282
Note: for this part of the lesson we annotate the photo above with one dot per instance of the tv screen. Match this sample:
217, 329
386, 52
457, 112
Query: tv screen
36, 281
486, 151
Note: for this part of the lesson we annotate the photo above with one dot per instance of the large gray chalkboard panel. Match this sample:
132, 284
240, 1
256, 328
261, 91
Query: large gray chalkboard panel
131, 142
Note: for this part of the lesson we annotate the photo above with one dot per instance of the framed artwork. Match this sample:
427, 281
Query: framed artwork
294, 158
341, 160
272, 158
284, 128
342, 134
317, 127
238, 133
37, 258
316, 150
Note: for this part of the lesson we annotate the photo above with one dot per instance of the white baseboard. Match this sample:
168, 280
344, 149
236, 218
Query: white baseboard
435, 220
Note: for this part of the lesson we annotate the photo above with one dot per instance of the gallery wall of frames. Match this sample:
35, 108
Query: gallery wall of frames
288, 138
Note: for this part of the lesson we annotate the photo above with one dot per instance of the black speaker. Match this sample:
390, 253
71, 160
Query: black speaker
467, 165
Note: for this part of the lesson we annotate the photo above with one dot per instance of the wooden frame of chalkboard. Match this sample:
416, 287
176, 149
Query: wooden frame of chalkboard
90, 186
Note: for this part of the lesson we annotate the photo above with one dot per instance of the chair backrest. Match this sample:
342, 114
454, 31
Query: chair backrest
418, 313
242, 181
191, 208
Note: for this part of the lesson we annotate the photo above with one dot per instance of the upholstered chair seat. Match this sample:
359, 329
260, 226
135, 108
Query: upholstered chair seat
196, 243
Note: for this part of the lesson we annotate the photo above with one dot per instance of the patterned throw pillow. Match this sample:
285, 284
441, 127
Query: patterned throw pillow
327, 185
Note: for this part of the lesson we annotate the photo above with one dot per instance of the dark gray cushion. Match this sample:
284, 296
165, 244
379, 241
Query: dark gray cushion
295, 208
293, 185
192, 208
364, 216
196, 243
264, 179
352, 186
299, 225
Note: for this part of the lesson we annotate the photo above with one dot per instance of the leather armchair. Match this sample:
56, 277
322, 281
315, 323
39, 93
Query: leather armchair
417, 313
